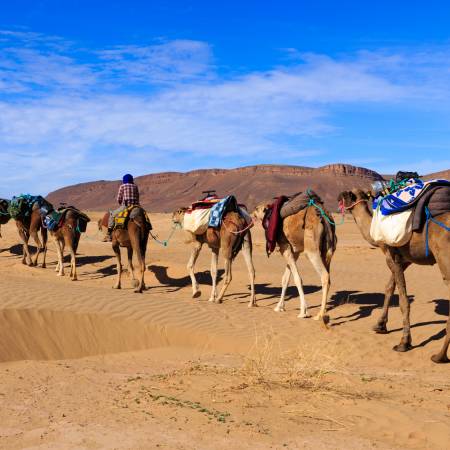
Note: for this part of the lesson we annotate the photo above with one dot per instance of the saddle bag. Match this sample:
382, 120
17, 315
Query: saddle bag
394, 230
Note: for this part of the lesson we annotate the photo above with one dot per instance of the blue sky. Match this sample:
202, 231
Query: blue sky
92, 89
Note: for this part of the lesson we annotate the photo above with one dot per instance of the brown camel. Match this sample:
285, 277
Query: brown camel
304, 232
68, 234
133, 237
28, 225
399, 258
232, 235
4, 214
103, 227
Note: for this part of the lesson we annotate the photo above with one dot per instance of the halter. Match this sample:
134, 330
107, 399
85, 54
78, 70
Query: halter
343, 208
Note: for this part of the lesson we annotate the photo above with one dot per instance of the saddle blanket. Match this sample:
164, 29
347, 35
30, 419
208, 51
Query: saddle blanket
196, 221
218, 210
406, 197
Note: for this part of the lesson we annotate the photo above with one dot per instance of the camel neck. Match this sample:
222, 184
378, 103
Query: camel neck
363, 219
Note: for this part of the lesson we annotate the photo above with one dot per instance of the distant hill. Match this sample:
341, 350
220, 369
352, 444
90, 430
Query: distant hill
164, 192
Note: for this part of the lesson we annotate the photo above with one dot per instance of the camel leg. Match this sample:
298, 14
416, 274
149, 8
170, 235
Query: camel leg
442, 357
44, 243
190, 267
214, 261
60, 254
26, 256
73, 263
136, 244
389, 290
247, 252
291, 259
39, 246
284, 285
116, 249
397, 270
134, 281
227, 279
324, 273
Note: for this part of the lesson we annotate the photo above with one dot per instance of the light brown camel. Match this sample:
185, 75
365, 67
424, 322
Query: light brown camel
232, 235
399, 258
28, 225
68, 234
103, 227
134, 238
304, 232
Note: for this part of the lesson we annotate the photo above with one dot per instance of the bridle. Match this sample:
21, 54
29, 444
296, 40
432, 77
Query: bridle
343, 208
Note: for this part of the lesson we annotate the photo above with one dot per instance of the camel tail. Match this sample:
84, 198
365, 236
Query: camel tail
329, 240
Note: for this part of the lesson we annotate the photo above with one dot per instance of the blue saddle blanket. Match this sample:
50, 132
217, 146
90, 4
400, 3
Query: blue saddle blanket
218, 210
405, 197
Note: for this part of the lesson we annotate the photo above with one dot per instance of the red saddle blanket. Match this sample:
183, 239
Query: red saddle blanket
271, 223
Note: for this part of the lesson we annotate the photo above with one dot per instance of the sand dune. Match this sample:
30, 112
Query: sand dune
86, 366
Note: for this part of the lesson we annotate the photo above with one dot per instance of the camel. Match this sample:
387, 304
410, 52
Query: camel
29, 226
68, 234
103, 227
310, 233
133, 237
4, 214
399, 258
232, 235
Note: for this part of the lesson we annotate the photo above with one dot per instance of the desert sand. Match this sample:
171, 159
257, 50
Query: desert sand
86, 366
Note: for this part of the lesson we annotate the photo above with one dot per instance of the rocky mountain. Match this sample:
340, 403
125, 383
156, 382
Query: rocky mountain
164, 192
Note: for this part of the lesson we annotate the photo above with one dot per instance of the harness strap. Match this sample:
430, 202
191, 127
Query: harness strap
428, 218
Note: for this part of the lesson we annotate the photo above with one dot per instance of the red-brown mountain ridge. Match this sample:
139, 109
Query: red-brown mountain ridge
166, 191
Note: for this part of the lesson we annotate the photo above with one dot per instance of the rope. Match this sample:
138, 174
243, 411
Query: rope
430, 217
165, 242
239, 231
311, 202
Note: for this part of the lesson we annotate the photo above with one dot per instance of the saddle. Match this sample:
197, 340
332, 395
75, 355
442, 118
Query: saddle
54, 219
122, 218
23, 205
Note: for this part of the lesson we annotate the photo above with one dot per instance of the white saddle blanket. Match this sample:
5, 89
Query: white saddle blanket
197, 221
394, 230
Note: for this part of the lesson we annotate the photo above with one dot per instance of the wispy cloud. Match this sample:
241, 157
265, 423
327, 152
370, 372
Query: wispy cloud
68, 113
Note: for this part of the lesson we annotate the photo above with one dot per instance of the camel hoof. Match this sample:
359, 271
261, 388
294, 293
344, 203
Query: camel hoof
59, 274
196, 294
74, 279
276, 309
252, 305
116, 286
218, 301
44, 266
212, 300
380, 329
438, 359
402, 348
304, 316
135, 283
138, 291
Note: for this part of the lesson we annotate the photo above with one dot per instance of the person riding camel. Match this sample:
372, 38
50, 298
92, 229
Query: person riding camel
127, 195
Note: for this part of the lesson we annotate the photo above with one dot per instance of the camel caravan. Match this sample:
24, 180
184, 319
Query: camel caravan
407, 218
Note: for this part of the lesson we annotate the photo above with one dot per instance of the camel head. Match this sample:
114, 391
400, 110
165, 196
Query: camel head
178, 216
349, 198
260, 210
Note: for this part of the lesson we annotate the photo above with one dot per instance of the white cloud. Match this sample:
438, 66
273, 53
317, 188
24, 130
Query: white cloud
70, 114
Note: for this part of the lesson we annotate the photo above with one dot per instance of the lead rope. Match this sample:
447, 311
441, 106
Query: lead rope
430, 217
165, 242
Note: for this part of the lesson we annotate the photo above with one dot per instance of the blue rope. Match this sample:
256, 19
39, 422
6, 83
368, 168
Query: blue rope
322, 212
430, 217
165, 242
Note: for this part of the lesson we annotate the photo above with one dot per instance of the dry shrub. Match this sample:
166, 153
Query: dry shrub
306, 366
